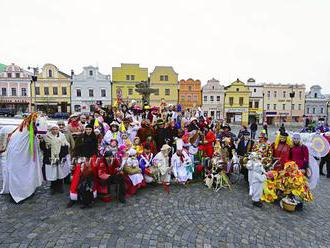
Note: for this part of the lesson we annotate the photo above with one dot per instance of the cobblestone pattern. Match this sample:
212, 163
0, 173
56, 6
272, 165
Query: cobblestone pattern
191, 216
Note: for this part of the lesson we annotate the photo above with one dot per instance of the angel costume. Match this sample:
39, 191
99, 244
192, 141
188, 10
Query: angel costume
182, 167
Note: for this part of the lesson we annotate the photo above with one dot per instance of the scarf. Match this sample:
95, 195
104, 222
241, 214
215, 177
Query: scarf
54, 142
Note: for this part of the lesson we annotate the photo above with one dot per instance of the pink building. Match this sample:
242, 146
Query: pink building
15, 89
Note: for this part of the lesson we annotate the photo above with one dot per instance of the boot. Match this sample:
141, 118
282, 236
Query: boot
257, 204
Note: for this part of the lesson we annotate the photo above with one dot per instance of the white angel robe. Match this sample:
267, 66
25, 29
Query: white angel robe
24, 173
181, 170
164, 169
258, 177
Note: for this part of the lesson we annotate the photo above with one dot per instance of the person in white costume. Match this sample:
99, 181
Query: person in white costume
161, 161
182, 164
257, 176
23, 160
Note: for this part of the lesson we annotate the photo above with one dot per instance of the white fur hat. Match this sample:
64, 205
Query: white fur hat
132, 152
179, 144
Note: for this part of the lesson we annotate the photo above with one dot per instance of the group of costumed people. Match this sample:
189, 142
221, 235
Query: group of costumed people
113, 153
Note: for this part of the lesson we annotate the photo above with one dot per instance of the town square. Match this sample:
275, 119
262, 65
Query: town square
164, 123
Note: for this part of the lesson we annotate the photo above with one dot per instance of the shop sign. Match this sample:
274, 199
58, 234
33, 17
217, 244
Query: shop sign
13, 101
271, 113
237, 110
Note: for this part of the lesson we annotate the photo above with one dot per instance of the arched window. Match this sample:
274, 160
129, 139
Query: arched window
50, 73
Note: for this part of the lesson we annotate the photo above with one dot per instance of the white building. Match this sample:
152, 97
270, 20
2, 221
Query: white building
256, 102
213, 97
316, 104
90, 88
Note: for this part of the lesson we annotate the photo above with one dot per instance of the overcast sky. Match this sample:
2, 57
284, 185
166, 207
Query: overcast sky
280, 41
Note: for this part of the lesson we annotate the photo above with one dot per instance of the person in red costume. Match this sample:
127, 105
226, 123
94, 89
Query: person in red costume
145, 131
109, 172
281, 150
207, 143
299, 152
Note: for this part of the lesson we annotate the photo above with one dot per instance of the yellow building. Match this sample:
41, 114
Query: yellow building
237, 103
51, 92
124, 79
165, 80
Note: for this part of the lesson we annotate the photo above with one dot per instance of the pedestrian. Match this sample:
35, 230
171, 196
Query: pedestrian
253, 128
55, 150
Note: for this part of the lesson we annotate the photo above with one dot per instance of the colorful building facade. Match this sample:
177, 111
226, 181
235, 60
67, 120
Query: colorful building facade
15, 89
165, 80
52, 92
237, 97
190, 94
284, 103
213, 98
90, 88
124, 80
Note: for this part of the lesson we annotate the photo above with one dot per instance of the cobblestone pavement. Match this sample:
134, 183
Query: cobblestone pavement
191, 216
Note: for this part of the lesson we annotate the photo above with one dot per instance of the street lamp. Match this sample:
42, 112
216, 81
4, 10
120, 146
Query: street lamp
292, 94
34, 79
263, 107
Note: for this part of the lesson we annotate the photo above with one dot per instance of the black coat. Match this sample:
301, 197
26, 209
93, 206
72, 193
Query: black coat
86, 146
242, 149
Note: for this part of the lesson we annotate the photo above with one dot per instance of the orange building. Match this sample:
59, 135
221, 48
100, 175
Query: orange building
190, 93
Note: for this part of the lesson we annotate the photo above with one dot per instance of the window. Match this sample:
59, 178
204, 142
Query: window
37, 91
127, 77
315, 95
50, 73
156, 92
254, 90
91, 93
268, 106
300, 94
292, 106
212, 87
167, 92
275, 94
130, 91
231, 101
103, 93
250, 104
24, 92
274, 106
299, 106
90, 73
268, 94
4, 91
78, 92
9, 74
55, 91
218, 98
241, 101
307, 110
189, 88
13, 92
17, 75
211, 98
284, 94
321, 110
205, 98
182, 98
166, 78
189, 98
313, 110
46, 91
77, 108
132, 77
256, 104
195, 98
161, 78
283, 106
64, 91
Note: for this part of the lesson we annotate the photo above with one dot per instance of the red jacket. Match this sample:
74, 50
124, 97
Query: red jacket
208, 147
104, 171
299, 154
282, 152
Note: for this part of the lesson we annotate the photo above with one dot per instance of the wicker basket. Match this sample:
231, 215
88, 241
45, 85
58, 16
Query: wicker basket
288, 205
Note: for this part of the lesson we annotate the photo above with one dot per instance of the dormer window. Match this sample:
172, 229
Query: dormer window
315, 95
50, 73
90, 73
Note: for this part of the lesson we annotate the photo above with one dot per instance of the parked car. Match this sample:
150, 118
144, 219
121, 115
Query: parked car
7, 112
59, 116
